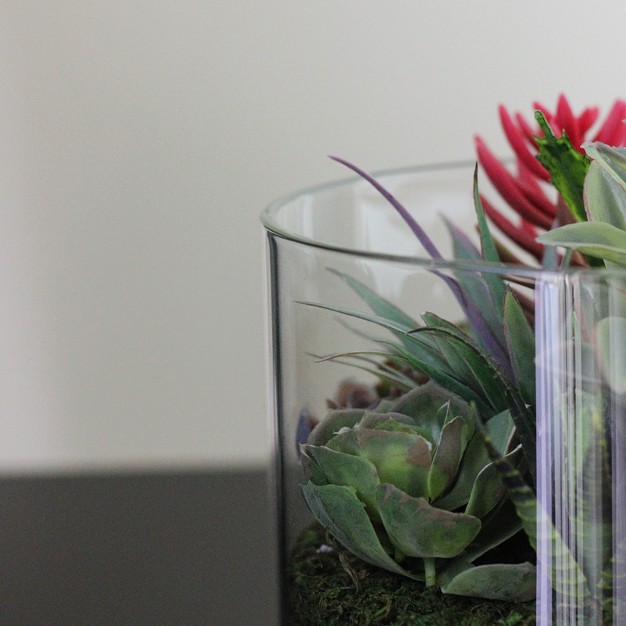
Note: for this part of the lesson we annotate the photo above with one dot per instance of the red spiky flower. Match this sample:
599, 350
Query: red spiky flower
527, 192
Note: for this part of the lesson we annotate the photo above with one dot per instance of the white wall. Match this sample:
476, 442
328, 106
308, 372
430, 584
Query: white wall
140, 139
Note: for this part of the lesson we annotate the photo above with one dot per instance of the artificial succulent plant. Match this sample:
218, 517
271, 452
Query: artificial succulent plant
426, 484
409, 487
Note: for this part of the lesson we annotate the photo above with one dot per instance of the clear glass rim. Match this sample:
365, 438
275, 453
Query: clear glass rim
273, 228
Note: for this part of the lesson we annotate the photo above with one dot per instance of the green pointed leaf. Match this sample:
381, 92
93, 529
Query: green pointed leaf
520, 339
468, 362
347, 470
489, 248
566, 165
485, 290
501, 581
379, 369
488, 489
420, 348
338, 509
379, 305
447, 458
500, 428
446, 381
605, 200
596, 239
500, 525
418, 529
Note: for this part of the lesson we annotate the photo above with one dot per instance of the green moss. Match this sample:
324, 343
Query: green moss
322, 591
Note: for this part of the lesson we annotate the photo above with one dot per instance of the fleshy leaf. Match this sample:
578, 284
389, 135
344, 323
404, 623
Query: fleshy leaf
611, 352
418, 529
347, 470
488, 487
596, 239
429, 405
613, 160
447, 457
400, 458
334, 421
605, 200
500, 428
500, 581
338, 509
536, 522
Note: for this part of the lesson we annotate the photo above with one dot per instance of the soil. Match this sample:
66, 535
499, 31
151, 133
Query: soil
328, 588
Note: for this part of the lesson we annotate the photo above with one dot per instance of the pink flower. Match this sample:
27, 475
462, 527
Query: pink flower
526, 192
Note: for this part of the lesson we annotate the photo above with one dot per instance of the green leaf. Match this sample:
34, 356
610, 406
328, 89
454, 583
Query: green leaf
379, 305
536, 522
447, 458
499, 526
445, 379
420, 348
485, 290
338, 509
400, 458
488, 488
566, 165
468, 362
520, 340
418, 529
611, 352
605, 199
429, 405
501, 581
347, 470
599, 240
379, 369
489, 249
612, 160
334, 421
500, 428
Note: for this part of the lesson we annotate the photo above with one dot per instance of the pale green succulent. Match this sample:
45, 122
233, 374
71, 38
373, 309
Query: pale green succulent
602, 231
410, 487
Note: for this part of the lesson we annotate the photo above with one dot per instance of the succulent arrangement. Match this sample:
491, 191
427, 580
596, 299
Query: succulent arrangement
431, 475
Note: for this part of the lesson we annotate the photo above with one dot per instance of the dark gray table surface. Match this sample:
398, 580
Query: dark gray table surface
185, 548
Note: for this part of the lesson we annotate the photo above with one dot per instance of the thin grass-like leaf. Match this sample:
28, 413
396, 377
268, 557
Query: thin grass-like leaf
521, 344
423, 349
475, 317
466, 360
379, 368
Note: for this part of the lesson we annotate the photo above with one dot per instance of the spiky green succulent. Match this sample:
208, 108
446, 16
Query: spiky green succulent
410, 488
601, 230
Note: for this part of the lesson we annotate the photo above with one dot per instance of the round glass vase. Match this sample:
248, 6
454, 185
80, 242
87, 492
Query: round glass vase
350, 284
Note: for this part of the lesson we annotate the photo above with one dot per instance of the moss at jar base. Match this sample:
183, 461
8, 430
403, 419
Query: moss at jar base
322, 591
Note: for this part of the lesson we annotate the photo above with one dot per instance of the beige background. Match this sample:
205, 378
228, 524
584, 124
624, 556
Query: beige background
140, 139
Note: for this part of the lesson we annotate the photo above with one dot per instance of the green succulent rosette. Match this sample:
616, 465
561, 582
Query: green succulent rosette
410, 487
